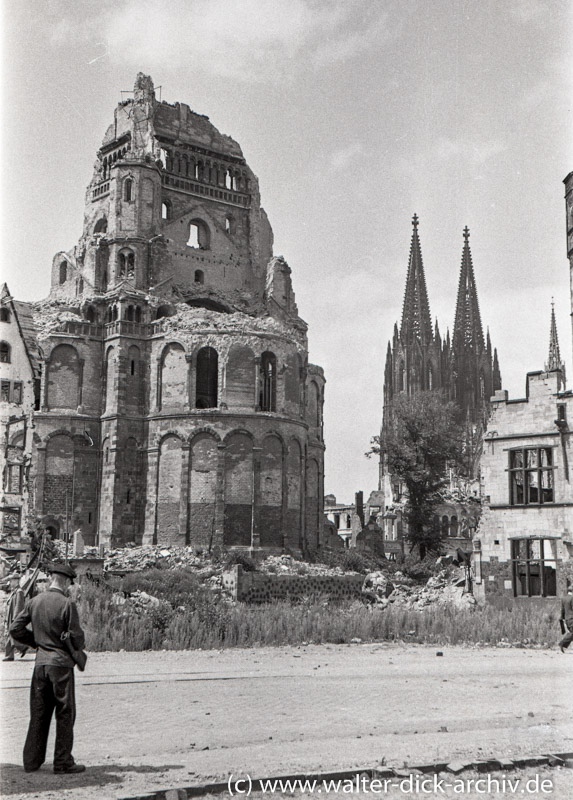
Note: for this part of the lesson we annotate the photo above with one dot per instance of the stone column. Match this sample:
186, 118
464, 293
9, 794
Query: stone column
184, 494
256, 502
218, 538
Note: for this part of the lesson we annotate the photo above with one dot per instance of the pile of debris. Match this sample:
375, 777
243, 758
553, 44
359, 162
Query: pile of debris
447, 587
136, 559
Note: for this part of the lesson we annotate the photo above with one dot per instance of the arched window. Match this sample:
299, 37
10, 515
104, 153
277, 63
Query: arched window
198, 235
63, 271
348, 521
445, 525
481, 386
199, 276
430, 377
80, 286
5, 352
165, 210
91, 314
129, 313
207, 378
4, 315
126, 260
268, 384
454, 526
101, 225
137, 313
128, 190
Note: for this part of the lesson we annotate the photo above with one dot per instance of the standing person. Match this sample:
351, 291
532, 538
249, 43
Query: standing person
15, 605
51, 613
567, 617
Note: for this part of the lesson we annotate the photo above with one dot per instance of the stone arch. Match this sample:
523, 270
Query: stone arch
173, 377
64, 378
238, 488
101, 225
167, 526
271, 492
203, 472
199, 234
240, 377
204, 429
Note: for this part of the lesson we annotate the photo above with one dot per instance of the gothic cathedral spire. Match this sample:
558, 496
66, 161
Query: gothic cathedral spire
468, 331
416, 321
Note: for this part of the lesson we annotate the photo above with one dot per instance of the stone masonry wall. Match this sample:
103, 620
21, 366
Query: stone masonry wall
256, 587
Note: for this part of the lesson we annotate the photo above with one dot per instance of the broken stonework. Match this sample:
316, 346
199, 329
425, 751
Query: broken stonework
177, 404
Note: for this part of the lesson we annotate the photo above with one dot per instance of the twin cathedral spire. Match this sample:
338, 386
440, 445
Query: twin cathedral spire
463, 367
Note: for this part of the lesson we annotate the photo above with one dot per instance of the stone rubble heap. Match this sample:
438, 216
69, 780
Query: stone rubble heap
445, 588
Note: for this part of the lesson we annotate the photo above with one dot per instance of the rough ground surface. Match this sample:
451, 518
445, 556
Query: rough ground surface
165, 719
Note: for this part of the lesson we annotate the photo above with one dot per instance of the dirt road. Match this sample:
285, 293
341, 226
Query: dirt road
162, 719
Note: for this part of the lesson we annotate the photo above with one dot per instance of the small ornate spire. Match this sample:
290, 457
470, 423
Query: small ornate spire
466, 234
415, 221
554, 358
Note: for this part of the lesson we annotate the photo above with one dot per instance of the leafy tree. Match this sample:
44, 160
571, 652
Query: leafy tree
422, 437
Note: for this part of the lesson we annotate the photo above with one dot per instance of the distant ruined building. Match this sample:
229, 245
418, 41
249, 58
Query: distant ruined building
176, 403
464, 367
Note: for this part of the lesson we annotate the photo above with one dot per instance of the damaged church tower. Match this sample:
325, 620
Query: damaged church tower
178, 406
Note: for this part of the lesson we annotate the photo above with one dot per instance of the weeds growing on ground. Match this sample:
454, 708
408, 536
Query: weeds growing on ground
193, 617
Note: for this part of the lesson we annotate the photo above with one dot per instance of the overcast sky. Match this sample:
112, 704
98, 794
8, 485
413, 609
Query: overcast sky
354, 114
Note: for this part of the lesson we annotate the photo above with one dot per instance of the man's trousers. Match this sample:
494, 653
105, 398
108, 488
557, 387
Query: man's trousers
52, 689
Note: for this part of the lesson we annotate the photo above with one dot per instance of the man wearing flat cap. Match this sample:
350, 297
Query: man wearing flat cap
51, 614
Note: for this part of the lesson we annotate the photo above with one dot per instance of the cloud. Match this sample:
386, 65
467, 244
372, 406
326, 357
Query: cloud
344, 156
245, 39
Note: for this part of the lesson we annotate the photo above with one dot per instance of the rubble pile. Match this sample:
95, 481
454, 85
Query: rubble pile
447, 587
135, 559
287, 565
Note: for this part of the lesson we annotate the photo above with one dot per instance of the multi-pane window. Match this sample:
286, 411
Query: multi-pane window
534, 567
11, 391
531, 476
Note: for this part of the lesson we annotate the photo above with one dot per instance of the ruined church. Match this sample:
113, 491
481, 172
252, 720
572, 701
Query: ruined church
463, 367
174, 402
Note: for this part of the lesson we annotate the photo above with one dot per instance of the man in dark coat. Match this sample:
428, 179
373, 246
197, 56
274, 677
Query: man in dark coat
15, 605
567, 617
50, 614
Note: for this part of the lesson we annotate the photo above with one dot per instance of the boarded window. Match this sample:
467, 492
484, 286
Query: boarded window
169, 491
63, 378
240, 378
238, 490
173, 377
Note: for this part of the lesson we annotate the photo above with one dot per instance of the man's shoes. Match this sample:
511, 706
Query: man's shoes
73, 769
31, 769
8, 658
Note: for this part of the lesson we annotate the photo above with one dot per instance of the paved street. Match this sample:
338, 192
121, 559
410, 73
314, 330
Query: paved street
160, 719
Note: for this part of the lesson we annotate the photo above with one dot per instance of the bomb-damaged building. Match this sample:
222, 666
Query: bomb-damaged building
176, 403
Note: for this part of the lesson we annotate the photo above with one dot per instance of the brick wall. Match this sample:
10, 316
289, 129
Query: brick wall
257, 587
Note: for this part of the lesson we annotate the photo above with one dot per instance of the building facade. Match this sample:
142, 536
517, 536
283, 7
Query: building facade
20, 384
524, 544
177, 403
